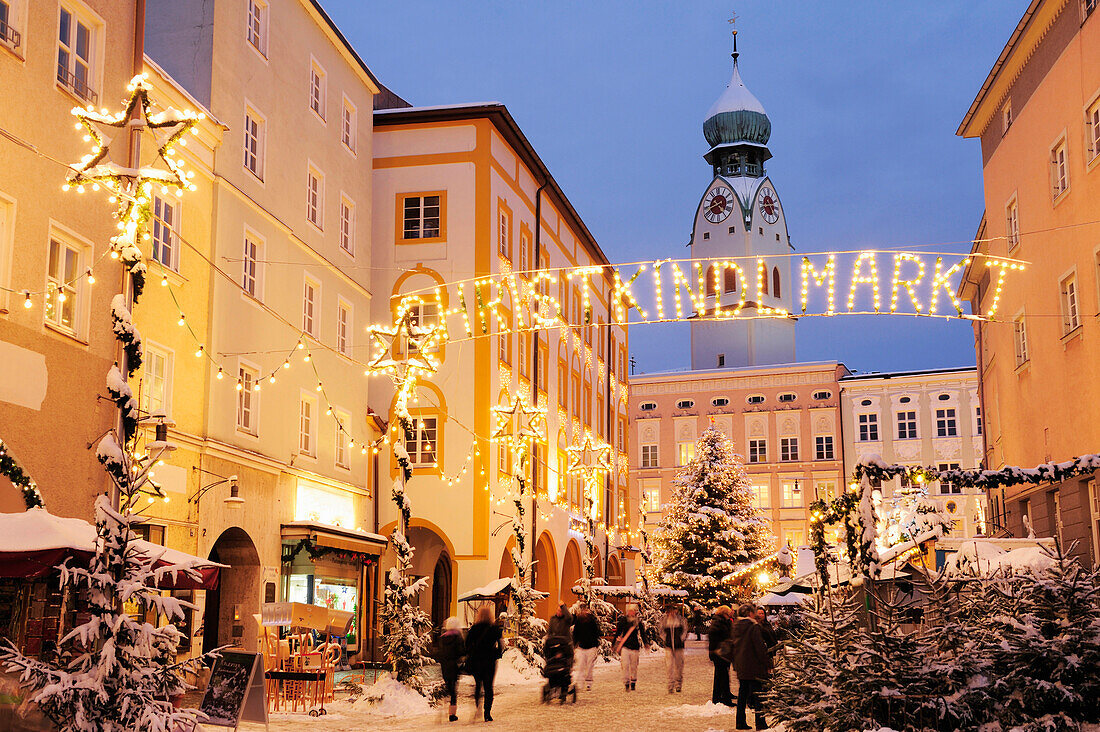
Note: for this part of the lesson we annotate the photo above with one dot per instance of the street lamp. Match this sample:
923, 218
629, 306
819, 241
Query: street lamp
233, 501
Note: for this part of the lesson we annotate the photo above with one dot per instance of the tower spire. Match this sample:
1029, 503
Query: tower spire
733, 22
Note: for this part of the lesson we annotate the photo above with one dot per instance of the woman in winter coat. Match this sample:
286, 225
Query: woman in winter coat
717, 636
450, 653
586, 637
482, 652
628, 642
753, 664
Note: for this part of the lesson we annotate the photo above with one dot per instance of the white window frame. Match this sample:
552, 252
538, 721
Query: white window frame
344, 327
524, 253
311, 306
13, 38
308, 416
1019, 338
421, 217
685, 452
504, 234
86, 90
315, 196
255, 277
75, 285
820, 443
254, 142
1092, 130
342, 438
347, 225
349, 122
153, 352
946, 423
1012, 222
652, 497
761, 495
649, 456
1006, 116
248, 399
318, 90
791, 493
1059, 167
416, 454
1069, 301
866, 423
165, 231
758, 450
256, 24
788, 449
910, 421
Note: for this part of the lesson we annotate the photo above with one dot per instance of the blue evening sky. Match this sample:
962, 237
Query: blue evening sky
864, 99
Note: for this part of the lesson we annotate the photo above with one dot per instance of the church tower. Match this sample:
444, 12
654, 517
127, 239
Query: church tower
740, 238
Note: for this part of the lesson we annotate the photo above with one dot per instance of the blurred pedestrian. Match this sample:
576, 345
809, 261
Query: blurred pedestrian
586, 638
674, 630
752, 663
483, 650
450, 653
628, 644
718, 638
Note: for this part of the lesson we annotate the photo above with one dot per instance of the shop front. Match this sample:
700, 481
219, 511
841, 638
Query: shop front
330, 566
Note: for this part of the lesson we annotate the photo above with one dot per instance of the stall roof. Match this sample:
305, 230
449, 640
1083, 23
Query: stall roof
493, 590
337, 537
773, 599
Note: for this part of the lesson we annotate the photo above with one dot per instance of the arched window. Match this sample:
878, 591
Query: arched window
775, 282
764, 281
730, 277
712, 281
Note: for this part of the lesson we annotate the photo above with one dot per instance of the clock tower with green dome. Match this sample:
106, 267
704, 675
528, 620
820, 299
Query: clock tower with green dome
740, 239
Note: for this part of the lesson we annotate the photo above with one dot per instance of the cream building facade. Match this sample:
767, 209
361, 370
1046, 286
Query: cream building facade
784, 421
1038, 119
274, 266
56, 345
460, 193
926, 418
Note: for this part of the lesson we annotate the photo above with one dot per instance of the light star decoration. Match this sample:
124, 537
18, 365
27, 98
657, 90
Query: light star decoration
587, 459
518, 421
412, 361
132, 187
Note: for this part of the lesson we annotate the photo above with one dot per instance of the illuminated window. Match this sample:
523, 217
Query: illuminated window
649, 456
420, 441
761, 495
758, 451
790, 493
653, 499
686, 452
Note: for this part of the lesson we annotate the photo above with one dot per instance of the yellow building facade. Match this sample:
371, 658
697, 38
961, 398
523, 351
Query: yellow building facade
1038, 119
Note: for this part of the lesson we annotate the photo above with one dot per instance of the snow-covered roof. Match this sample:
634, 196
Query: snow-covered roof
493, 589
980, 556
358, 533
736, 97
437, 107
792, 598
710, 373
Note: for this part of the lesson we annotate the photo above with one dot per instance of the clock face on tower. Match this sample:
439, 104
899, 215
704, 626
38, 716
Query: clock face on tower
717, 204
769, 205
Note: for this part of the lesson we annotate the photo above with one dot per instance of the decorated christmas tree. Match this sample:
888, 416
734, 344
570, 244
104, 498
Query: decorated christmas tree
711, 529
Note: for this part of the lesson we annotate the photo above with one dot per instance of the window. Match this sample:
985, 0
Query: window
1092, 129
652, 499
1070, 317
250, 275
788, 397
685, 404
348, 124
1059, 171
868, 428
755, 399
1012, 224
165, 228
343, 439
721, 360
822, 395
647, 406
524, 346
790, 493
905, 399
788, 449
946, 423
315, 193
943, 397
309, 307
317, 88
1006, 116
257, 25
823, 448
347, 226
826, 489
505, 345
649, 456
946, 486
424, 315
343, 328
247, 399
795, 538
9, 35
74, 55
775, 278
524, 252
420, 441
761, 495
504, 234
254, 140
1019, 332
422, 217
65, 285
758, 451
307, 426
977, 420
156, 382
720, 401
865, 403
907, 425
687, 452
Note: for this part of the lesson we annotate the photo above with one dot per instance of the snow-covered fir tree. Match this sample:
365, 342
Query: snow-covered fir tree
586, 591
711, 527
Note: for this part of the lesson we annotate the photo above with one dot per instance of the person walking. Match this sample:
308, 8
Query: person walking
561, 623
674, 630
586, 638
628, 644
752, 663
718, 637
483, 649
451, 650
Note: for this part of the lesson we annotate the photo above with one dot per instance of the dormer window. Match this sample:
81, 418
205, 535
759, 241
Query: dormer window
822, 395
685, 404
756, 399
720, 402
788, 397
647, 406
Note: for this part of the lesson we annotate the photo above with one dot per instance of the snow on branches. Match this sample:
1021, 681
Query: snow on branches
13, 471
125, 333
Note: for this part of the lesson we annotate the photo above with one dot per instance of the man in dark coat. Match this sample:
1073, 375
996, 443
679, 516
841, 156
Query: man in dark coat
717, 636
753, 664
483, 649
561, 623
586, 636
449, 654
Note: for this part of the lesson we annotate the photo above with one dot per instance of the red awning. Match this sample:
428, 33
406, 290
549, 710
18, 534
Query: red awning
34, 542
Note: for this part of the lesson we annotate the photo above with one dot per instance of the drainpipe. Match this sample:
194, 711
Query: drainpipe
535, 388
608, 412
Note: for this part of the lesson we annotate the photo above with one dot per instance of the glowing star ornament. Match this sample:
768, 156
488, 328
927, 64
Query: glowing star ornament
408, 363
518, 421
588, 458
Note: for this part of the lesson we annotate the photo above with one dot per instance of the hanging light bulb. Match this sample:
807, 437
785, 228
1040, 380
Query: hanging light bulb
180, 322
27, 299
319, 386
200, 351
91, 277
220, 375
240, 385
164, 281
286, 364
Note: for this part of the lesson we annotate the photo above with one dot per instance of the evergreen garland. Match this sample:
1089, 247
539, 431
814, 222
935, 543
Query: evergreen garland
13, 471
317, 551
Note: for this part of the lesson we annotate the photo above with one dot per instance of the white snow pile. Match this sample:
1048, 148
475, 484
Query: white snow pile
710, 709
514, 670
976, 558
387, 697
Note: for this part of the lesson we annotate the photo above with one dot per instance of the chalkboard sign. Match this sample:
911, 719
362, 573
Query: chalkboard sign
235, 690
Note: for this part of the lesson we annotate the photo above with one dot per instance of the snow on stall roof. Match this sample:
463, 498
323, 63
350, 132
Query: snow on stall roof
978, 556
492, 589
338, 530
793, 598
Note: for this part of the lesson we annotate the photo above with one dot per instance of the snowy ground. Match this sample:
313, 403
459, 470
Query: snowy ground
607, 708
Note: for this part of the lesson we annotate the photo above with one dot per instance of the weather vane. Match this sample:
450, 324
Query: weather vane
733, 22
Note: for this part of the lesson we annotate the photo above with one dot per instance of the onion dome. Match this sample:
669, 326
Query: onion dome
737, 116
